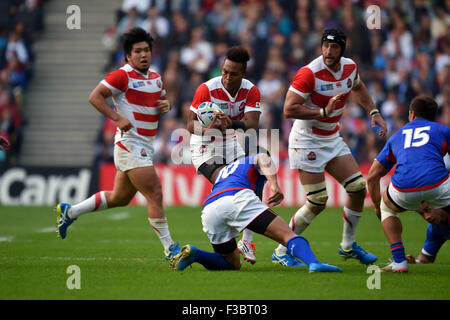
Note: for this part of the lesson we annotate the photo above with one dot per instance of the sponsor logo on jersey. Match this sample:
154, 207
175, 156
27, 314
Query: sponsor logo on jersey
242, 106
223, 106
137, 84
326, 87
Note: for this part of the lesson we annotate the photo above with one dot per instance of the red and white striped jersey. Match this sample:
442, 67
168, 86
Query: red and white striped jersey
317, 84
248, 98
135, 97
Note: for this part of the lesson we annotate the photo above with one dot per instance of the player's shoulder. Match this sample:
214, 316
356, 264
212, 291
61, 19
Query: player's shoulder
152, 74
347, 61
247, 84
213, 83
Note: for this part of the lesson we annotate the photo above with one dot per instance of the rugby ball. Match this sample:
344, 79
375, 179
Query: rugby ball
206, 112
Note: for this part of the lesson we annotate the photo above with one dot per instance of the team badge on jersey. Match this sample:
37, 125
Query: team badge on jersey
143, 153
349, 83
158, 83
311, 156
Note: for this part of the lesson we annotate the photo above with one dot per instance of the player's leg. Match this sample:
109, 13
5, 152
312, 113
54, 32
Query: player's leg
274, 227
146, 181
224, 257
345, 170
246, 246
316, 198
392, 227
121, 195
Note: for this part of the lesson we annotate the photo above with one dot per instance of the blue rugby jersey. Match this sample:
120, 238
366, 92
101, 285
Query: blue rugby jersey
417, 150
236, 176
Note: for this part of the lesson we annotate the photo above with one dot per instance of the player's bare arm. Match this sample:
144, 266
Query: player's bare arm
376, 172
363, 98
98, 98
265, 164
295, 108
163, 104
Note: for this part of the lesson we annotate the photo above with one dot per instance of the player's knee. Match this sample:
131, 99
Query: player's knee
355, 185
386, 212
316, 195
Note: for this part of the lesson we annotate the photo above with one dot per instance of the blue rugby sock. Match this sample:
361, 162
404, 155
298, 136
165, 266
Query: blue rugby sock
211, 260
398, 252
299, 248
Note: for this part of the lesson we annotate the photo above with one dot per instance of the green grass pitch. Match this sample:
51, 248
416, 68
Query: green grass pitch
120, 257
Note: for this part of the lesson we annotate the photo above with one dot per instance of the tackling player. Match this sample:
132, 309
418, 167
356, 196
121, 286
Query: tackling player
232, 206
316, 100
239, 100
438, 232
139, 98
417, 151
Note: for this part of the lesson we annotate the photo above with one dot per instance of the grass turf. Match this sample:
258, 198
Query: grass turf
120, 257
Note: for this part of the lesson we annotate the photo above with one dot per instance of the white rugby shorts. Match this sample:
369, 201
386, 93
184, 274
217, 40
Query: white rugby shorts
226, 217
316, 159
129, 155
200, 153
437, 197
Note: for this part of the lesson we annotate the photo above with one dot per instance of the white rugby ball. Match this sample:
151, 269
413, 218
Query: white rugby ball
206, 112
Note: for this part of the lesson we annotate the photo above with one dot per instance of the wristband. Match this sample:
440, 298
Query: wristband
374, 112
323, 112
235, 124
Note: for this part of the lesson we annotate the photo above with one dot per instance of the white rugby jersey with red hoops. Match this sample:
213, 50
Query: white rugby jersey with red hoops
317, 84
248, 98
135, 97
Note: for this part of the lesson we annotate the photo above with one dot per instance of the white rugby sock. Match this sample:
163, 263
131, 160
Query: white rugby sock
247, 235
96, 202
299, 222
161, 228
351, 219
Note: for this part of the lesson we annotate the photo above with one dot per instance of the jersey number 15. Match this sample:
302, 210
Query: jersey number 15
416, 137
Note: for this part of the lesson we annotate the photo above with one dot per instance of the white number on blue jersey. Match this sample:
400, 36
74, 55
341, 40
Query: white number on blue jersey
226, 171
416, 137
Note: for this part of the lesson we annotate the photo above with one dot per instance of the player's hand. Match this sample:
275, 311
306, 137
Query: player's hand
4, 144
218, 122
123, 124
410, 258
332, 103
224, 119
163, 106
276, 196
378, 120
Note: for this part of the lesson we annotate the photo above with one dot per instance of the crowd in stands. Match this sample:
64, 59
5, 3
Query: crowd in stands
20, 21
408, 55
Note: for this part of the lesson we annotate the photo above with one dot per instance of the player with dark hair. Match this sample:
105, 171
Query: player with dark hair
417, 151
233, 205
239, 101
139, 98
316, 100
438, 232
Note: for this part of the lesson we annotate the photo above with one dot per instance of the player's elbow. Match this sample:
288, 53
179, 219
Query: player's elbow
372, 178
288, 112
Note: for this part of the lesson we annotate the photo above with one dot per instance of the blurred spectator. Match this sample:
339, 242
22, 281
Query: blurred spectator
20, 21
105, 143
